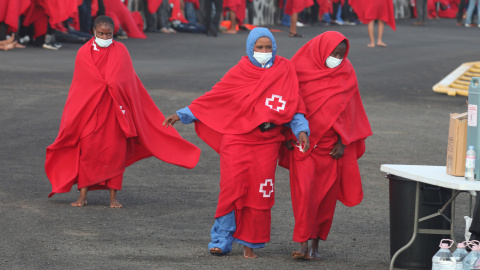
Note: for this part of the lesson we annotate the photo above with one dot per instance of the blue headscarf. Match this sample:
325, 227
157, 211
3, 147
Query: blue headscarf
255, 34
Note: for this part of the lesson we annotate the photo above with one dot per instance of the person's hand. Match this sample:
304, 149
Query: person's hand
288, 144
169, 121
337, 151
304, 141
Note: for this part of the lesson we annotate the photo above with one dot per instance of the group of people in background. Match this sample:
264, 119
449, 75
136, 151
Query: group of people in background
49, 23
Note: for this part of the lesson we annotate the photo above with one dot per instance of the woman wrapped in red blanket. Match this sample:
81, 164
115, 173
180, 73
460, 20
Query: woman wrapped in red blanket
241, 119
339, 125
109, 122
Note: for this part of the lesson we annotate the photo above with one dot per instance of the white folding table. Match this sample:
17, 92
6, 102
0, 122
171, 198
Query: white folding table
437, 176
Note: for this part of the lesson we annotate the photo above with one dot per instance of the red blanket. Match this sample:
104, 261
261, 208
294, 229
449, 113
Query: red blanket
229, 116
333, 101
10, 11
296, 6
139, 118
237, 6
121, 15
246, 97
369, 10
153, 5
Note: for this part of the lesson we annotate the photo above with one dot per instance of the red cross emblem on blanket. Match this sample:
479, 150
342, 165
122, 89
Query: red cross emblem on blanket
275, 103
266, 188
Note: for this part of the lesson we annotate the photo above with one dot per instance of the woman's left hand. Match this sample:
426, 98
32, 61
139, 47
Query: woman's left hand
337, 151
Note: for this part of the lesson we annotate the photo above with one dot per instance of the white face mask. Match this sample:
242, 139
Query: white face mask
333, 62
103, 42
262, 58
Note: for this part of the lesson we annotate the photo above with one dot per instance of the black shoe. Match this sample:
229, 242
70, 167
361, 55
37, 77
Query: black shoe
212, 33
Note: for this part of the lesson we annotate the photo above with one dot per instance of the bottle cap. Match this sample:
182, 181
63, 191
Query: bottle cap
470, 147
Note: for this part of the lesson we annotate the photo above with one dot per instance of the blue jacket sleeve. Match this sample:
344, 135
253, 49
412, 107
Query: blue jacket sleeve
186, 116
298, 124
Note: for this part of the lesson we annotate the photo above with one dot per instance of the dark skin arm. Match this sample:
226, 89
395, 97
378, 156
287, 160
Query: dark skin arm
337, 151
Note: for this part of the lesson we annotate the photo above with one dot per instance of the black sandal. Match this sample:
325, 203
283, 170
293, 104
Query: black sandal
295, 35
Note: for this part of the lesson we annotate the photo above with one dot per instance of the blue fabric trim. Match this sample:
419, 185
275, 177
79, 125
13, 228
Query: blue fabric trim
255, 34
298, 124
186, 115
250, 245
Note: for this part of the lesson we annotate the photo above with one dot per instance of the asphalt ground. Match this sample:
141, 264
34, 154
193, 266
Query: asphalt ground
168, 211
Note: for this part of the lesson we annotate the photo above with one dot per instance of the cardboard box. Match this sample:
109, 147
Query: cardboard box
457, 144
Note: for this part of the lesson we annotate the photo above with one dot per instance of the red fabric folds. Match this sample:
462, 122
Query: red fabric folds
334, 109
10, 11
120, 13
177, 14
139, 118
229, 116
332, 100
296, 6
369, 10
36, 15
248, 96
59, 10
153, 5
237, 6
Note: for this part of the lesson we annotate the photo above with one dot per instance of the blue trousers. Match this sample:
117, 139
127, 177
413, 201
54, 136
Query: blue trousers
222, 234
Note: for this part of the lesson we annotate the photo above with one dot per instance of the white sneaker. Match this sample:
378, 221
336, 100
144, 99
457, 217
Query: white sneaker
49, 46
478, 25
299, 24
467, 25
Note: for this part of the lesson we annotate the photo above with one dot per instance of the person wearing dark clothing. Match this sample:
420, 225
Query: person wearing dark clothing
421, 12
461, 11
212, 24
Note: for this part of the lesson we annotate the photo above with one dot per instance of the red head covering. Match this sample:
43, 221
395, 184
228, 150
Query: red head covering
331, 95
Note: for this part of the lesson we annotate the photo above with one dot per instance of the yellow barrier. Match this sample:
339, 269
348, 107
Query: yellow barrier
457, 82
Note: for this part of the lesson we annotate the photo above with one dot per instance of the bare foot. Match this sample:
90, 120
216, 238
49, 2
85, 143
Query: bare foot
115, 204
19, 46
113, 199
314, 255
230, 31
381, 44
248, 253
302, 253
82, 199
371, 45
7, 47
80, 202
216, 251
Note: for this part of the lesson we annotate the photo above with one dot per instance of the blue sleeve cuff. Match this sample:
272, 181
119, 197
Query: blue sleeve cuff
186, 115
298, 124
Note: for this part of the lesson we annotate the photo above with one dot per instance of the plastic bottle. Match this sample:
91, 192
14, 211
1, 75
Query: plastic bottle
473, 256
443, 260
470, 164
459, 254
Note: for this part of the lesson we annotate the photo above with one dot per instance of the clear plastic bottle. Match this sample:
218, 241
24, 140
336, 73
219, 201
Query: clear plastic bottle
470, 164
472, 257
459, 254
443, 260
